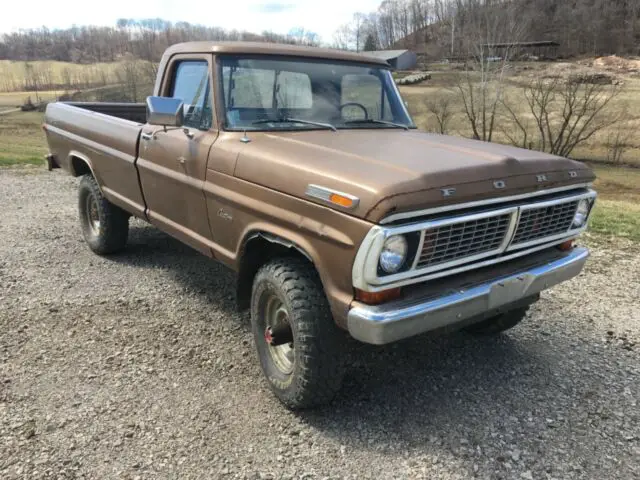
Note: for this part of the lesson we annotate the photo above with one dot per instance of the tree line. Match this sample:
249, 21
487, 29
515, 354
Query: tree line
434, 27
444, 27
144, 39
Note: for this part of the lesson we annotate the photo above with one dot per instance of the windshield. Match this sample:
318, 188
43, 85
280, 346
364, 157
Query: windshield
277, 93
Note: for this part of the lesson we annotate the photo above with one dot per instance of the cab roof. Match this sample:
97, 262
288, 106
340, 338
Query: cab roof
263, 48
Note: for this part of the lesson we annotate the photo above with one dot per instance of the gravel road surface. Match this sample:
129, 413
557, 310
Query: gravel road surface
137, 366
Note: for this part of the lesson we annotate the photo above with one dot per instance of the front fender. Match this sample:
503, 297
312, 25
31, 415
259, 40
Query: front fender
239, 209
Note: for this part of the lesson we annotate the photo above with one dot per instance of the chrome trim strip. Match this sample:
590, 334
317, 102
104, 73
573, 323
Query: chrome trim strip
557, 201
388, 323
324, 194
560, 236
443, 222
511, 231
479, 203
419, 251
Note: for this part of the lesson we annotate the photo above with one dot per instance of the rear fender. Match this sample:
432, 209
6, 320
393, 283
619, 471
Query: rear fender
80, 164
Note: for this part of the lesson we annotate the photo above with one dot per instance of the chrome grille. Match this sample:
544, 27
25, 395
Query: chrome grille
456, 241
536, 223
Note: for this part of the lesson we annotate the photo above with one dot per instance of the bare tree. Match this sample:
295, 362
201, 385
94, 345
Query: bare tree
128, 76
442, 111
342, 37
358, 30
490, 41
617, 143
32, 79
565, 115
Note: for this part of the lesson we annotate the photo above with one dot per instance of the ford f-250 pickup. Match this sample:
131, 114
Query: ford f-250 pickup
301, 169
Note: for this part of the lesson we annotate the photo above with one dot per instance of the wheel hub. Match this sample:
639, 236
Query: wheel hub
93, 217
279, 336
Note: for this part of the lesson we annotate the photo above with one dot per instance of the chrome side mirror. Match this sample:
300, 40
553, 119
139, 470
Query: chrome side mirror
165, 111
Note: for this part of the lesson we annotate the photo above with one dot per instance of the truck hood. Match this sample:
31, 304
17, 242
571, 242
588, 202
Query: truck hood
394, 171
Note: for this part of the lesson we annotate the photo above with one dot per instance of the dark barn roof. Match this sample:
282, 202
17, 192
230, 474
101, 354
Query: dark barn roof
545, 43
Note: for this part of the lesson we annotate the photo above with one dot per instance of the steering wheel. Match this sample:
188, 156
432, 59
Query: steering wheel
355, 104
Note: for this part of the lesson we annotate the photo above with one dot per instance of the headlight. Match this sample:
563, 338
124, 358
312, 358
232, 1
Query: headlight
394, 253
582, 213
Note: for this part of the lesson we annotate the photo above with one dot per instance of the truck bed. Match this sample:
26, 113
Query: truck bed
103, 136
135, 112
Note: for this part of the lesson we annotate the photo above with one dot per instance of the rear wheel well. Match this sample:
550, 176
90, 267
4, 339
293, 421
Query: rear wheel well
80, 167
257, 251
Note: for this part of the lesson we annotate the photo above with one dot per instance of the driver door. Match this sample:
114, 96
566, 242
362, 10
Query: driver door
173, 163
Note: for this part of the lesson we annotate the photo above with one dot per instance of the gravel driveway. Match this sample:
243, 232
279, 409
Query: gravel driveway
138, 366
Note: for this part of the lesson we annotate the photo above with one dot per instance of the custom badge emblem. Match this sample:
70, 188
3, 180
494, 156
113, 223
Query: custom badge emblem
223, 214
448, 192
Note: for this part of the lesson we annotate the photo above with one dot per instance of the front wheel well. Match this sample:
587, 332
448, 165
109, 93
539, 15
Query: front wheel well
257, 251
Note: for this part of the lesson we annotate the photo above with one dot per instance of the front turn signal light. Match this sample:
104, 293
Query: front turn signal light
566, 246
376, 298
341, 200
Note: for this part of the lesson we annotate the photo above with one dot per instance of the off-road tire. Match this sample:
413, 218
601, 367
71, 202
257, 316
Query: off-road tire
317, 368
499, 323
110, 234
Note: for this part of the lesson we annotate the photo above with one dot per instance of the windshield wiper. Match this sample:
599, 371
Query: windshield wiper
382, 122
296, 120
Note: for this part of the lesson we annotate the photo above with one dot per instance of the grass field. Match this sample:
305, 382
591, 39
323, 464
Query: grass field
9, 100
21, 139
13, 75
617, 209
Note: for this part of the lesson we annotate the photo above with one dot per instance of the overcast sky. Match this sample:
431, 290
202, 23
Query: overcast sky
320, 16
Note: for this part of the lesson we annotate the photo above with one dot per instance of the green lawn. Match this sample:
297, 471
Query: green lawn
617, 210
22, 140
617, 218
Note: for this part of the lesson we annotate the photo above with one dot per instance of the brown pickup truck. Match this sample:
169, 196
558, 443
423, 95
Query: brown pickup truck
300, 169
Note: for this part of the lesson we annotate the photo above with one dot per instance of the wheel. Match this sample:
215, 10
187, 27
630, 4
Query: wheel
299, 346
105, 227
499, 323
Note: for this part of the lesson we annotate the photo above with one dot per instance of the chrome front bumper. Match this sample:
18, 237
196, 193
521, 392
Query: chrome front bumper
388, 323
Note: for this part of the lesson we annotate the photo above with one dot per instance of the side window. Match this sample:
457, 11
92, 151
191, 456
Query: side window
365, 90
191, 85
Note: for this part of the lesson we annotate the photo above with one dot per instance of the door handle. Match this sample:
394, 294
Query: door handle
146, 136
181, 160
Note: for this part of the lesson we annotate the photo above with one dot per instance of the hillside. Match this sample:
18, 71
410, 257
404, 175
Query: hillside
443, 27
